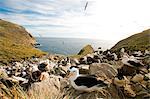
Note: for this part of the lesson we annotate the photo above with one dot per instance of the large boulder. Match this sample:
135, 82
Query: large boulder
49, 88
103, 70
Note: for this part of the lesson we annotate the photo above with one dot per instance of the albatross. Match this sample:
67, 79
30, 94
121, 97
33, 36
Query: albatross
131, 61
85, 5
86, 83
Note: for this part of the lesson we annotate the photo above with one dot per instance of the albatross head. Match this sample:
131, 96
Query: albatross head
73, 73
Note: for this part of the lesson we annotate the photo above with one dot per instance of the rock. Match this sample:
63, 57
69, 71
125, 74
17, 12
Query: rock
148, 84
83, 69
127, 70
3, 74
137, 78
137, 87
47, 88
102, 70
147, 75
143, 70
86, 50
128, 91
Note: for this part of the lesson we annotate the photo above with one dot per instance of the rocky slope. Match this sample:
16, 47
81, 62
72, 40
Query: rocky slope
15, 42
139, 41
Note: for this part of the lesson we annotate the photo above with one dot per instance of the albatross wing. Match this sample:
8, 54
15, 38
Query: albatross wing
89, 81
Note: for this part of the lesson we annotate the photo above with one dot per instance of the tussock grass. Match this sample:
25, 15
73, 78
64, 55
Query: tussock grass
47, 90
16, 43
11, 51
140, 41
15, 92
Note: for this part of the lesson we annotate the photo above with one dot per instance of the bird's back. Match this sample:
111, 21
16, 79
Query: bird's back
88, 81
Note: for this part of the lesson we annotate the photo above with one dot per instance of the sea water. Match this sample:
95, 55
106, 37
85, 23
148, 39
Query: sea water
68, 46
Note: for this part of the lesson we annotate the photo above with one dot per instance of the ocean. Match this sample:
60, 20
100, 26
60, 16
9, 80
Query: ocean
69, 46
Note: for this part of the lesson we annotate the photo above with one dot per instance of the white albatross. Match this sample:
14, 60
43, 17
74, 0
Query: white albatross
86, 83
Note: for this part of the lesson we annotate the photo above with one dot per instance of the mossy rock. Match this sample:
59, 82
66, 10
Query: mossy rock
86, 50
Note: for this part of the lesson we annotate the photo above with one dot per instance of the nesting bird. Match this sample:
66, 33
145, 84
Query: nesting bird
131, 61
137, 54
87, 83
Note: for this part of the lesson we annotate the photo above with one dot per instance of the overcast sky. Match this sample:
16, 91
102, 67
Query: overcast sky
103, 19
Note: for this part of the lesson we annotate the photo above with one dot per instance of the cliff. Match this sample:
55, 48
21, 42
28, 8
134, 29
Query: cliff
16, 43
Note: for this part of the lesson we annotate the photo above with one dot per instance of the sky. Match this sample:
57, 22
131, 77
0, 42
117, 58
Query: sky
102, 19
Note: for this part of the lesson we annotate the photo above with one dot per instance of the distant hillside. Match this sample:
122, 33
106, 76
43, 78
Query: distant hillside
15, 42
139, 41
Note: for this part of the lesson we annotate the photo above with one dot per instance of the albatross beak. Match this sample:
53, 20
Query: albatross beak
69, 74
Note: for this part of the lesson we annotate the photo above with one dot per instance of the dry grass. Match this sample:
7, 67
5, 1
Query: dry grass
16, 43
139, 41
16, 92
10, 51
46, 90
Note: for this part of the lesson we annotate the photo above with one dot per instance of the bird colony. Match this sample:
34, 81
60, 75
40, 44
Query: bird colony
101, 71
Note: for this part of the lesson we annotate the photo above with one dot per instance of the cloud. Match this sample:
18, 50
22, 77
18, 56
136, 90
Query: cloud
103, 19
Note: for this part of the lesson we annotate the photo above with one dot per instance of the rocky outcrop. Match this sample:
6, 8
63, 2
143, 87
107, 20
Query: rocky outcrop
49, 88
86, 50
103, 70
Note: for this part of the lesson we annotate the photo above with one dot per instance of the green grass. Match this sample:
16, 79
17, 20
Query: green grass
15, 33
140, 41
16, 43
10, 51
